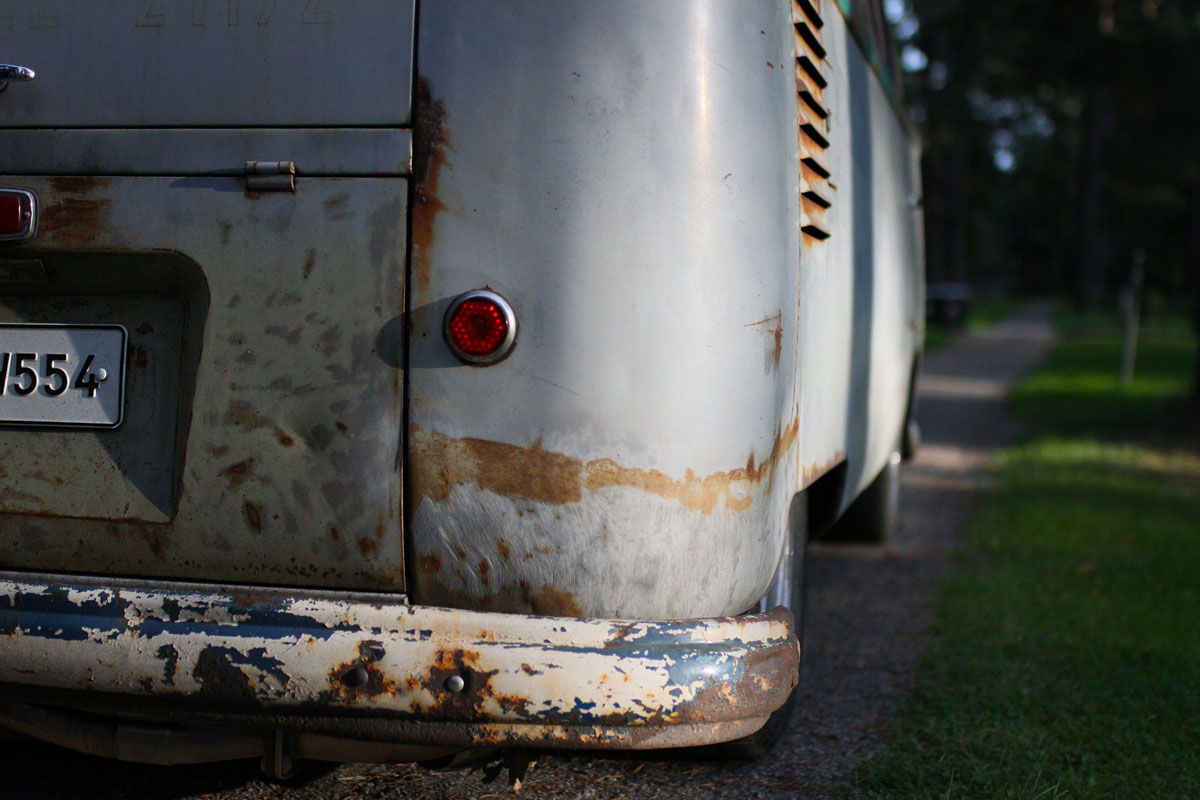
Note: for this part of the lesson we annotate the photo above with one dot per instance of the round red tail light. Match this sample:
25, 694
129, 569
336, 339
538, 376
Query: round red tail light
480, 327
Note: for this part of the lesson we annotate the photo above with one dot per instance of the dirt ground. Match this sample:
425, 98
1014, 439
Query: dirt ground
869, 615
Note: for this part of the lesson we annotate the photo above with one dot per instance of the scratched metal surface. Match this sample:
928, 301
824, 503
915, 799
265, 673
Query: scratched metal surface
156, 63
284, 406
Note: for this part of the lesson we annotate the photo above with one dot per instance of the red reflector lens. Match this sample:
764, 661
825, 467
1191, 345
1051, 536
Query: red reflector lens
12, 214
478, 327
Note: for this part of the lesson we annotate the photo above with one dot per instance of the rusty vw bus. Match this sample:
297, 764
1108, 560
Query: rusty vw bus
392, 378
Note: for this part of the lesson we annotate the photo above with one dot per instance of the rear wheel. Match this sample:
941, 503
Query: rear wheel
786, 589
871, 518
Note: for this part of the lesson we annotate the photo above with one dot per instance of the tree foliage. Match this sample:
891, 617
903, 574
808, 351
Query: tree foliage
1061, 137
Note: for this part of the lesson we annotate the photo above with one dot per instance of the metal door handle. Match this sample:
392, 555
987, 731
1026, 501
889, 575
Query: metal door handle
11, 72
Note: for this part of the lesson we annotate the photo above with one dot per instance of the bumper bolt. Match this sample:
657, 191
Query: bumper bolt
455, 683
355, 678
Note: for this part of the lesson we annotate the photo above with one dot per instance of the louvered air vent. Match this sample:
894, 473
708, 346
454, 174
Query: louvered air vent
815, 193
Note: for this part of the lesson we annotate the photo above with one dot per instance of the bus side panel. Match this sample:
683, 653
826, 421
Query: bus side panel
858, 344
625, 174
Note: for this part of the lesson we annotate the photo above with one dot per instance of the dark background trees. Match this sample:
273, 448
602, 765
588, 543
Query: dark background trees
1060, 137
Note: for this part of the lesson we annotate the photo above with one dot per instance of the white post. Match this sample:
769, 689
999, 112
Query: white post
1131, 303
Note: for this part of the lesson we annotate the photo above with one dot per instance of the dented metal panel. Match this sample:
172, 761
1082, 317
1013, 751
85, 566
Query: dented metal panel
165, 63
262, 438
541, 680
636, 453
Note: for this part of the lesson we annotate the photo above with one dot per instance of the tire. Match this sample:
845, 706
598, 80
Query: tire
787, 589
871, 518
912, 439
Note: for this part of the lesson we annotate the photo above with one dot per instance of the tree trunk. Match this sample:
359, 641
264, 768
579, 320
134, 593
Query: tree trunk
1090, 276
1193, 257
934, 191
960, 209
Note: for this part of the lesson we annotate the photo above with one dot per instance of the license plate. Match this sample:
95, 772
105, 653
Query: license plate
62, 374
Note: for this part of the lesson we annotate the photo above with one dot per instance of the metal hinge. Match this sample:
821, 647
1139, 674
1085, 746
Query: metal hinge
270, 176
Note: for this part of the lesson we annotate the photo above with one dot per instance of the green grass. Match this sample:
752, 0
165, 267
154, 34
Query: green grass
1078, 392
987, 313
982, 316
1067, 657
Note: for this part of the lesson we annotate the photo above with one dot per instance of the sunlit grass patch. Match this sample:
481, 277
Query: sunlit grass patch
1080, 391
1067, 655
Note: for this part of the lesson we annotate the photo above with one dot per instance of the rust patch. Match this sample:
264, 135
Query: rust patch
72, 215
520, 599
218, 450
219, 676
544, 550
505, 550
362, 678
74, 184
811, 208
485, 569
430, 143
468, 703
430, 563
774, 329
811, 175
811, 472
334, 533
236, 474
154, 536
368, 546
309, 262
556, 602
284, 439
343, 427
701, 494
538, 474
253, 516
291, 337
767, 675
503, 468
244, 415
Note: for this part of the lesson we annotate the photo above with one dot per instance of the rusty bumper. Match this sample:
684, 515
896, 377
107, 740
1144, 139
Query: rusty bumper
375, 668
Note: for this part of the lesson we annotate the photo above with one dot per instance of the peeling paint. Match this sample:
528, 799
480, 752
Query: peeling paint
310, 655
439, 463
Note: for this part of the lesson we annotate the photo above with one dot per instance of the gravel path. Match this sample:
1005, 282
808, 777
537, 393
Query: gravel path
870, 611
